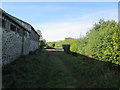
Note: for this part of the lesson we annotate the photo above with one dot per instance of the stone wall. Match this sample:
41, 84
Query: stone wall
11, 46
33, 45
1, 58
0, 46
26, 46
16, 38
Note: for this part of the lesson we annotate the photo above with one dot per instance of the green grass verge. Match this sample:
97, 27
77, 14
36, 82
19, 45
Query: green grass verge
58, 70
92, 73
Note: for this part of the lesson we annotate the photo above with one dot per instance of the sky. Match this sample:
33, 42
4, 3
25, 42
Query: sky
59, 20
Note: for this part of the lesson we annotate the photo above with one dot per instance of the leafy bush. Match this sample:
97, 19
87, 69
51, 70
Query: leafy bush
102, 42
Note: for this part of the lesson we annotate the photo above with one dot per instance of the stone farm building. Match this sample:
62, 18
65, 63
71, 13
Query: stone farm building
18, 38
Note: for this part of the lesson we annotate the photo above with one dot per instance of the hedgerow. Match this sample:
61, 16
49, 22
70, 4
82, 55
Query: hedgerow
102, 42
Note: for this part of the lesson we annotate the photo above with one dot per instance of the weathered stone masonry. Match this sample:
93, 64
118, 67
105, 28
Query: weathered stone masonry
18, 38
0, 47
11, 46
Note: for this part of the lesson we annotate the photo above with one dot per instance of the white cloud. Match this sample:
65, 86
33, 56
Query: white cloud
74, 27
59, 31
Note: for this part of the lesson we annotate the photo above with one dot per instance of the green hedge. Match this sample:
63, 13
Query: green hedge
102, 42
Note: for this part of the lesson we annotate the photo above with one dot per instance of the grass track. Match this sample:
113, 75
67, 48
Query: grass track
56, 69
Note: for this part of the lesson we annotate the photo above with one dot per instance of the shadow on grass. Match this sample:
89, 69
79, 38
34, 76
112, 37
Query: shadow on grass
99, 73
32, 71
111, 65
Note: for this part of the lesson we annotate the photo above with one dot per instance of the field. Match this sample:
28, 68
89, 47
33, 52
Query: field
57, 69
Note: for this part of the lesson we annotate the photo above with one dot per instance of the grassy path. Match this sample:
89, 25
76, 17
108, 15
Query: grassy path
56, 69
72, 71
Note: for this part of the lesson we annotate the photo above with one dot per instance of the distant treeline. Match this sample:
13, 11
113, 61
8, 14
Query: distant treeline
102, 42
